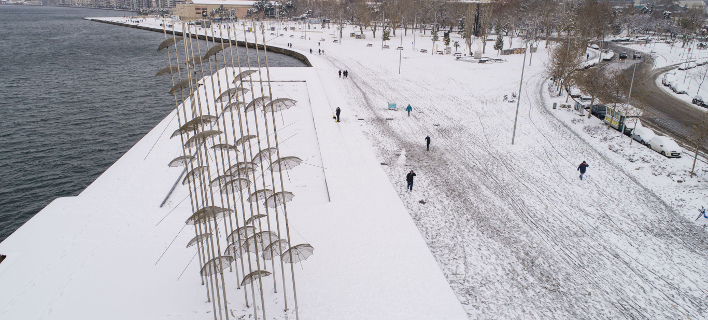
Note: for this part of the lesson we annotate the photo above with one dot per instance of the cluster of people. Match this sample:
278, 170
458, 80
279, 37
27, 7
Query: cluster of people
290, 45
344, 73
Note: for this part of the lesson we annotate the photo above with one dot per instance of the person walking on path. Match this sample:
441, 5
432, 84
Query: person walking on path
340, 73
427, 143
409, 179
582, 167
409, 109
337, 112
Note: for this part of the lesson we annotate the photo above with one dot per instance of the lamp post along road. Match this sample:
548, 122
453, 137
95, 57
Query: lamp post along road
518, 99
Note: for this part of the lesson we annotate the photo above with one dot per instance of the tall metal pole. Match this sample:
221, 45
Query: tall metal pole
400, 50
629, 96
518, 99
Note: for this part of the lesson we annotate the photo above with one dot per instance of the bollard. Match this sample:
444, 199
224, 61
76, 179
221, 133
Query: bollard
554, 105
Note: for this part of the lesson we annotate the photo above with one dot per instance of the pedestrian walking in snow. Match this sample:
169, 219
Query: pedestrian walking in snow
409, 109
319, 51
427, 143
310, 50
337, 112
340, 73
409, 179
582, 167
346, 74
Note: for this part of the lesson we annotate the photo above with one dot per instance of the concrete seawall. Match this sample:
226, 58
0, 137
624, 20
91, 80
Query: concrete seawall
287, 52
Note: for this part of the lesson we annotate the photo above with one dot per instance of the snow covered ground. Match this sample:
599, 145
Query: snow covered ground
514, 230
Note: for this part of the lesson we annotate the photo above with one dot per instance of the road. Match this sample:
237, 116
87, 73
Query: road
663, 112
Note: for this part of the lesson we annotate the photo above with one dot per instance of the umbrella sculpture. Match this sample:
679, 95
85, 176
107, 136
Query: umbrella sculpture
231, 93
297, 253
254, 275
260, 195
260, 240
241, 141
167, 70
279, 198
216, 265
242, 165
165, 44
264, 155
231, 105
259, 102
200, 137
194, 124
195, 175
233, 250
194, 60
285, 163
275, 249
183, 84
214, 50
279, 104
254, 218
224, 147
244, 172
181, 161
241, 233
207, 214
198, 238
234, 185
243, 75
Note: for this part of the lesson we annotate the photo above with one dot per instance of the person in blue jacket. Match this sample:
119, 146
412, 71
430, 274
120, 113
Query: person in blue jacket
582, 167
409, 109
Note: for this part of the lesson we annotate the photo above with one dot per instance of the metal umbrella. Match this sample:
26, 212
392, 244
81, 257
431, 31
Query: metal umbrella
254, 218
234, 185
224, 147
241, 165
275, 249
243, 75
193, 60
260, 195
216, 265
264, 155
200, 137
285, 163
254, 275
165, 44
194, 124
183, 84
279, 104
198, 238
207, 214
233, 92
215, 49
244, 139
297, 253
241, 233
233, 250
260, 240
259, 102
279, 198
194, 175
181, 161
244, 172
167, 70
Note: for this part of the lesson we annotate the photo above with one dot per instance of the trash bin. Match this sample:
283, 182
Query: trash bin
555, 104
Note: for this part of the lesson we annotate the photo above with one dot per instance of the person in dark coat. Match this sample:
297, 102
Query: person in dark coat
409, 179
337, 112
409, 109
427, 143
582, 167
340, 73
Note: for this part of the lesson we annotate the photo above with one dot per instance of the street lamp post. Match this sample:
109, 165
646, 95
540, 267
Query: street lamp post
518, 99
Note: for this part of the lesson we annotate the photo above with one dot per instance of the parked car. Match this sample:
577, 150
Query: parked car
623, 56
665, 146
667, 79
637, 55
687, 65
678, 88
698, 100
643, 135
574, 92
594, 46
599, 111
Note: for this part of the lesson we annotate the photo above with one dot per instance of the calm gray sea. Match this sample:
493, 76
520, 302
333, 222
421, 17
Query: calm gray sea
75, 95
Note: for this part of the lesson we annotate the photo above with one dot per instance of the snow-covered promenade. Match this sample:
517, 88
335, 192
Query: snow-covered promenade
514, 233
